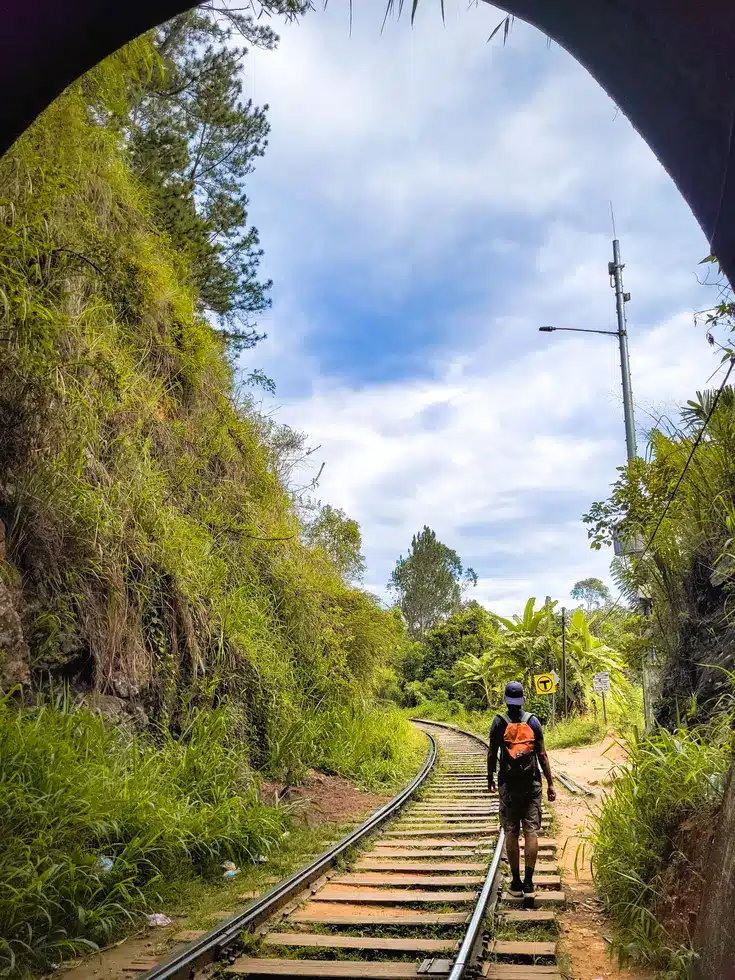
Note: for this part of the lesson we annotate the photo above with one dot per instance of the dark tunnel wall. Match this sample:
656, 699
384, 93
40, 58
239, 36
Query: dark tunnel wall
668, 64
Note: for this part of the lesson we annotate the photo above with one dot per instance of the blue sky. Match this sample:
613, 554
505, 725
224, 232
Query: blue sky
427, 200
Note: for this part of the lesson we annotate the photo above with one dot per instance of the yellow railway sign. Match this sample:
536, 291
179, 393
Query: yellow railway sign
545, 683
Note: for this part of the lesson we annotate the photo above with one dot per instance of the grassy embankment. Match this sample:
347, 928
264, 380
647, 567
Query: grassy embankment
651, 838
168, 813
154, 554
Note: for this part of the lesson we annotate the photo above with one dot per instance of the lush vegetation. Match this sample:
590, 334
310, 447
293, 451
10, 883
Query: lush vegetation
154, 549
673, 513
651, 837
680, 515
428, 583
466, 658
158, 563
75, 791
102, 823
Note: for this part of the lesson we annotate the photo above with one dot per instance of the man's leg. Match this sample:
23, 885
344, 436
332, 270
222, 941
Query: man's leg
531, 828
513, 851
510, 821
530, 853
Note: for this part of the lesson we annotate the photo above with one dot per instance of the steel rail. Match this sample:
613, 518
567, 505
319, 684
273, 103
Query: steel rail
488, 897
566, 783
488, 894
575, 784
211, 946
452, 728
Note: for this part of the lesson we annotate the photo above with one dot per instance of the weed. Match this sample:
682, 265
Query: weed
374, 745
669, 779
74, 789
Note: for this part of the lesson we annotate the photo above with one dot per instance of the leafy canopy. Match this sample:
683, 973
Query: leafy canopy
193, 142
592, 591
428, 583
339, 537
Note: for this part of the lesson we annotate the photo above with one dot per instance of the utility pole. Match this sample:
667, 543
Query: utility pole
564, 658
615, 269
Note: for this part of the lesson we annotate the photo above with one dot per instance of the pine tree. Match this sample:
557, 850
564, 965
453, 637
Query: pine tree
428, 582
193, 141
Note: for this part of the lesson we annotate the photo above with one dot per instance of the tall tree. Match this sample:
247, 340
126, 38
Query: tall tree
339, 536
193, 141
428, 583
592, 591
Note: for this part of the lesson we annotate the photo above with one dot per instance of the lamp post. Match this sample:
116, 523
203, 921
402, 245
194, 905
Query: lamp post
615, 271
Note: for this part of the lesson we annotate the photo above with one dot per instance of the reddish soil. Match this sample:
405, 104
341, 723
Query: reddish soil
325, 799
584, 926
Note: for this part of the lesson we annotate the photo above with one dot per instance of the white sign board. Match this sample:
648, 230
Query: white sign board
601, 683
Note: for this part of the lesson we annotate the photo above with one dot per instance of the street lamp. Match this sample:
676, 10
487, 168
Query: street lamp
615, 271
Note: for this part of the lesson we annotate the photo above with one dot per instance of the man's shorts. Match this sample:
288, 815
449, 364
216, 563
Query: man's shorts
520, 808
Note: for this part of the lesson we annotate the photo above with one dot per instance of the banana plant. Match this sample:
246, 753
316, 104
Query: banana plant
489, 671
587, 653
526, 641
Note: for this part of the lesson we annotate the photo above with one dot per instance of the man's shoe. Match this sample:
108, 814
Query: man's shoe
516, 888
529, 891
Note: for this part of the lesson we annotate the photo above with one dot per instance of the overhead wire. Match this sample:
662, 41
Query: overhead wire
675, 490
692, 451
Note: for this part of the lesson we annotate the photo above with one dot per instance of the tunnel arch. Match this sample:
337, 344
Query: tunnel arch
668, 64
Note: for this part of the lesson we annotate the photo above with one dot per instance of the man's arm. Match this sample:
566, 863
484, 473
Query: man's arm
492, 756
546, 767
544, 760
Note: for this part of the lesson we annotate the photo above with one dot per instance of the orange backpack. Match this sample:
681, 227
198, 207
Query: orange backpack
519, 749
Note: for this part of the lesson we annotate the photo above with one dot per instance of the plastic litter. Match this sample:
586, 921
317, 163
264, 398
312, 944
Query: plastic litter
104, 863
260, 859
231, 869
158, 919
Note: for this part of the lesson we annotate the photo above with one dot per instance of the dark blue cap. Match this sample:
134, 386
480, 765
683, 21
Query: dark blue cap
514, 693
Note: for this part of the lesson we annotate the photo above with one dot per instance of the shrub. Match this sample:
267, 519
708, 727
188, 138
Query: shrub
73, 789
670, 779
374, 745
576, 730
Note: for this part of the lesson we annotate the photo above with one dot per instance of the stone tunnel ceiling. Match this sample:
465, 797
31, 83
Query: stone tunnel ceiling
668, 64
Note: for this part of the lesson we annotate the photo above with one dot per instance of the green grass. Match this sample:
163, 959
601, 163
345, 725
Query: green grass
374, 745
167, 812
73, 789
578, 730
670, 779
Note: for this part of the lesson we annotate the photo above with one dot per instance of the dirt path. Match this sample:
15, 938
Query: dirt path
584, 925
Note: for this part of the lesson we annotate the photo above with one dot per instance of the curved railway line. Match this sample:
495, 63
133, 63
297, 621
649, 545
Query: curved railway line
415, 891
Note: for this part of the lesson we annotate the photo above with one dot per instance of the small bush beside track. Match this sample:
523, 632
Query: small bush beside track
671, 782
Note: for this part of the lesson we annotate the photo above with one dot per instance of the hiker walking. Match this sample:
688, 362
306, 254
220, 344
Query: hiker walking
519, 738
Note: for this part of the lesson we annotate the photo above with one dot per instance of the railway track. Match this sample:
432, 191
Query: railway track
422, 897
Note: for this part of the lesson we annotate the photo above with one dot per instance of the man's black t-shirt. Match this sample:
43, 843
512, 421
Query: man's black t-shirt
497, 731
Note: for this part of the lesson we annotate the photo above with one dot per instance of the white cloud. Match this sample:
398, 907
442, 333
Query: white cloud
509, 453
428, 157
